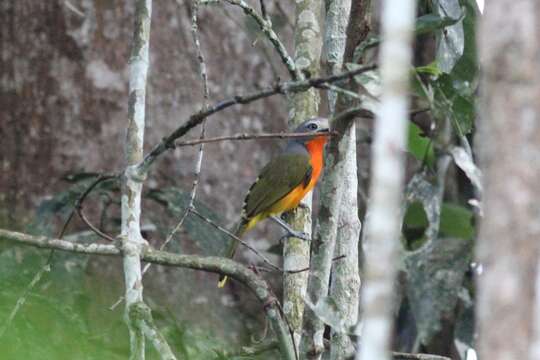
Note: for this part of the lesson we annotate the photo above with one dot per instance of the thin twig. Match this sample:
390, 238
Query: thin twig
291, 331
265, 25
240, 137
236, 238
91, 226
264, 13
309, 268
280, 88
206, 97
75, 10
213, 264
198, 165
343, 91
99, 179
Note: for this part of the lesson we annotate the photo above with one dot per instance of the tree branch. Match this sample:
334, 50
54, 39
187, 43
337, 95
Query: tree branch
213, 264
280, 88
338, 197
265, 25
132, 240
302, 106
241, 137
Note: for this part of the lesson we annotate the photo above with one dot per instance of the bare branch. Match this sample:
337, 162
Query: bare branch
266, 27
407, 356
201, 141
296, 252
236, 238
91, 226
132, 240
241, 137
213, 264
59, 244
143, 315
263, 10
309, 268
198, 165
338, 224
78, 204
280, 88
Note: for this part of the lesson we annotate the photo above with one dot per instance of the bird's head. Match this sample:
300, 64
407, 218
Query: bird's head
315, 125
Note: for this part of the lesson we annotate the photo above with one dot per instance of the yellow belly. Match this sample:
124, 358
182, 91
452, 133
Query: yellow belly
287, 203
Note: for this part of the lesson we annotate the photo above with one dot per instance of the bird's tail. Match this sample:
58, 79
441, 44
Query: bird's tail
241, 228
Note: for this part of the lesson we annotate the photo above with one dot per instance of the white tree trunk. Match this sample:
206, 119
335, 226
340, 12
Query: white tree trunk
509, 145
383, 220
132, 241
308, 43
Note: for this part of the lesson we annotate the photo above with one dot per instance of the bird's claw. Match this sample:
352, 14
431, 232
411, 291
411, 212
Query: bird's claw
296, 234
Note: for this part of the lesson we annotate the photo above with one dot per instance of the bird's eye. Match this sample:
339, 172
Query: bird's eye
312, 126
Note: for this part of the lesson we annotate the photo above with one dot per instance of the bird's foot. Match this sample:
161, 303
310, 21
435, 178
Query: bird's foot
295, 234
303, 206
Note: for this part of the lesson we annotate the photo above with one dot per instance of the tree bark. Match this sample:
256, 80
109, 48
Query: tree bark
132, 240
308, 43
338, 200
509, 145
383, 222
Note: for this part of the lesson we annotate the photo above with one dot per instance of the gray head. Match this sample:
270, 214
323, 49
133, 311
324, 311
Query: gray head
313, 125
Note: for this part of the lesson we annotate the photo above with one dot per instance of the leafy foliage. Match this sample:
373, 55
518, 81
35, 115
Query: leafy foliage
67, 314
438, 229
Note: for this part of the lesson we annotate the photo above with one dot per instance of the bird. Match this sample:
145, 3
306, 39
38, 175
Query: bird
284, 182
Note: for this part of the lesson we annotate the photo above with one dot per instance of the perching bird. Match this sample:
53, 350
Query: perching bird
284, 182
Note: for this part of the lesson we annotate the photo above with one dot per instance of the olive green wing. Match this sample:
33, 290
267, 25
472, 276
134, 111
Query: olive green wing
278, 178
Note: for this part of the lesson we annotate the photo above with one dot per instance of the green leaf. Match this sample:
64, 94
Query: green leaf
431, 22
455, 98
423, 199
466, 69
414, 227
450, 40
415, 216
430, 69
456, 221
419, 145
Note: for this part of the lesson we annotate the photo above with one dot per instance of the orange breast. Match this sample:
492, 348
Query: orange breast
316, 149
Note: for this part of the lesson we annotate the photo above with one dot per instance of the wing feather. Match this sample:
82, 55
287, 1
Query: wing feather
278, 178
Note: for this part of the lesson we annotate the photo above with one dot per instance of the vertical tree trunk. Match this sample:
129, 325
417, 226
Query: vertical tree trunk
132, 240
345, 286
338, 196
308, 43
509, 144
383, 220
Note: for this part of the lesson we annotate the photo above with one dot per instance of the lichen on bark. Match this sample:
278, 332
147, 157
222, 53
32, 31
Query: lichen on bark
308, 44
